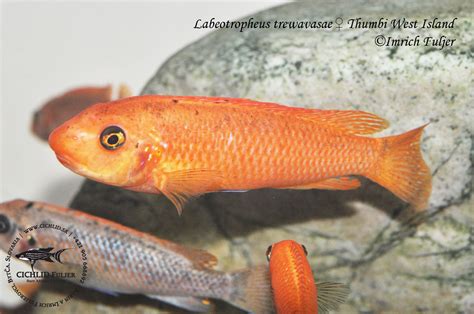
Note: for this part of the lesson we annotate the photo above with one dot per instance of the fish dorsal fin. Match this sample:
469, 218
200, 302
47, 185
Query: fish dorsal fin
331, 295
48, 249
350, 121
353, 122
201, 259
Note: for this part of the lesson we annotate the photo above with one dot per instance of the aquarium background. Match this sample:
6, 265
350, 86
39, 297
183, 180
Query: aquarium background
365, 237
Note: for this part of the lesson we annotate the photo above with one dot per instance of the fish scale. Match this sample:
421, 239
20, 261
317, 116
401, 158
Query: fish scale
156, 274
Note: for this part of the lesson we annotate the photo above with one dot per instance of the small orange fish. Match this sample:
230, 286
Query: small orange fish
293, 285
62, 108
185, 146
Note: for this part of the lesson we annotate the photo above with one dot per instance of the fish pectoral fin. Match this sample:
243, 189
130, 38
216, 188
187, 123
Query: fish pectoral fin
193, 304
340, 183
331, 295
181, 185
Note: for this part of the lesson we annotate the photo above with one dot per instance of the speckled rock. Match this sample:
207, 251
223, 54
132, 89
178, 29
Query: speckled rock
394, 262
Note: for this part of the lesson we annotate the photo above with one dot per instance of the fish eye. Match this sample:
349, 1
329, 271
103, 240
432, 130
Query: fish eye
269, 252
304, 249
112, 137
31, 240
4, 224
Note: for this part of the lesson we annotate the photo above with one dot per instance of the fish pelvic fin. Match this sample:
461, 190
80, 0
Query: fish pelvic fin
57, 255
192, 304
252, 290
181, 185
402, 170
331, 295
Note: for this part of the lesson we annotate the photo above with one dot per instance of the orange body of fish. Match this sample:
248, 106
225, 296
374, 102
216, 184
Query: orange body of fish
185, 146
294, 289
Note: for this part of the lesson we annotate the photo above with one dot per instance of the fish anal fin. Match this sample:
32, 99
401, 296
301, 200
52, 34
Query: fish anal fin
193, 304
48, 259
340, 183
331, 295
181, 185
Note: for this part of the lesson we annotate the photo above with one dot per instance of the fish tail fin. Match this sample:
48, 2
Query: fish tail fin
252, 290
57, 255
402, 170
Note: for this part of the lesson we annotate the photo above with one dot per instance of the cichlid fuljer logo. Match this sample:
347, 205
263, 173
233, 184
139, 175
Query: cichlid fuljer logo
55, 254
41, 254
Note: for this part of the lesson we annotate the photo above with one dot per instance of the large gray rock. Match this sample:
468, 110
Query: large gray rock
394, 263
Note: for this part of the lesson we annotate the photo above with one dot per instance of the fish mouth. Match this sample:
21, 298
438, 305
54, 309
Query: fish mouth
83, 171
74, 166
66, 161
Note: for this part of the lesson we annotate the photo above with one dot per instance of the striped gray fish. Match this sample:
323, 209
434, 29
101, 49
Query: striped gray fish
123, 260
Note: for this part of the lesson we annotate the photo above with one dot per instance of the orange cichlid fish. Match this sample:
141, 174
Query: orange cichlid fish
63, 107
184, 146
123, 260
293, 285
